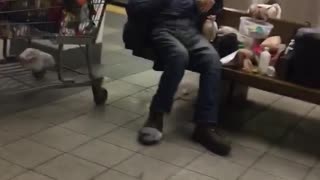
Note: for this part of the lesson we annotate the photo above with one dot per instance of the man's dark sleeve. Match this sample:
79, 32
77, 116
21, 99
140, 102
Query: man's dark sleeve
217, 8
143, 8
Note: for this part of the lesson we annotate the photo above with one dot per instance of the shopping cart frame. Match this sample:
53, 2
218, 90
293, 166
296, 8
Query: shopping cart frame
10, 67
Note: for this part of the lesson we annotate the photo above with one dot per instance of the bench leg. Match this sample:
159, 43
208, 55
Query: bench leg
233, 99
233, 92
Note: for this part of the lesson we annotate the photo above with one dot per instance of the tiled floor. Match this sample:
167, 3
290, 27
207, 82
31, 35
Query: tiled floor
70, 139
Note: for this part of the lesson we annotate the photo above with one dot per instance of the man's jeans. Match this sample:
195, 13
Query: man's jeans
179, 45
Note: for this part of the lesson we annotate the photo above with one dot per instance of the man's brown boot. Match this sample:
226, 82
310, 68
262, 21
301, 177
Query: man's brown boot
212, 139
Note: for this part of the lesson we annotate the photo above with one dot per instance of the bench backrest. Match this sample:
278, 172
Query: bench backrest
285, 29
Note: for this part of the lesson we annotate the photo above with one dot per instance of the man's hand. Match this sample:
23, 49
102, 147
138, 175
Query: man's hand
205, 5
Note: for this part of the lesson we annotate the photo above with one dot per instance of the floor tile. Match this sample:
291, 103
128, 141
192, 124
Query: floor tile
145, 95
314, 174
125, 138
109, 30
120, 89
272, 124
189, 175
8, 137
110, 47
102, 153
309, 127
27, 153
52, 113
24, 127
134, 105
262, 97
146, 79
111, 115
293, 154
254, 174
311, 124
9, 170
76, 103
172, 153
243, 155
136, 65
111, 56
188, 87
303, 144
114, 175
282, 167
31, 176
92, 127
182, 137
241, 114
216, 167
60, 138
115, 38
182, 112
315, 113
147, 168
115, 21
137, 124
287, 104
249, 140
67, 167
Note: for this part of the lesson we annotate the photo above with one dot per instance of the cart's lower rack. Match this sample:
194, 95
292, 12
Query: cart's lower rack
15, 79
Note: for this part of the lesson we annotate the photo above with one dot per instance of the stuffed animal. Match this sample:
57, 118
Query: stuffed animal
245, 60
210, 29
265, 11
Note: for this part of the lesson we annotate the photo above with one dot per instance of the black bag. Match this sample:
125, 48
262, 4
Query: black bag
304, 61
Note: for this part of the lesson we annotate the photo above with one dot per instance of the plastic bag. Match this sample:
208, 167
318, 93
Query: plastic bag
77, 18
36, 60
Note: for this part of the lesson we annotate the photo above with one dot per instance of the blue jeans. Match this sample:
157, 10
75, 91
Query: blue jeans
180, 46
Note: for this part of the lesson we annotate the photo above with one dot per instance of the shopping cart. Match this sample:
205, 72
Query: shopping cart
64, 22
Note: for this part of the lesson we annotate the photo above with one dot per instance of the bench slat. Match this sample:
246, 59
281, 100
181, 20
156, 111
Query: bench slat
273, 85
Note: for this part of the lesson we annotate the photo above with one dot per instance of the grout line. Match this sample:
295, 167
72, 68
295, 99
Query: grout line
287, 131
33, 172
185, 167
311, 169
263, 110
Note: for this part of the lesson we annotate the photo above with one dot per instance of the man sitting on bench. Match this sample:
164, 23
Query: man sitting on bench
179, 44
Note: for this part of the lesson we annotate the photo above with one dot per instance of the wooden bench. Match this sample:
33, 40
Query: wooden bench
239, 81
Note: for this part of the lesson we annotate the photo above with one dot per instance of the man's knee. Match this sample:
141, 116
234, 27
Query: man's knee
178, 58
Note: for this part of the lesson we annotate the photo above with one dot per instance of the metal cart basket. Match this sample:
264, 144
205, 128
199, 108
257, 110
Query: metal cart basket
64, 22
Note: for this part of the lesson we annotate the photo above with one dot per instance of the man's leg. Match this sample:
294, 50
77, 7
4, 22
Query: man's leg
206, 61
175, 58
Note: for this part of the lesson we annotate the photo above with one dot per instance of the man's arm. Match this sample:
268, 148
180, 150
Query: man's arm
215, 11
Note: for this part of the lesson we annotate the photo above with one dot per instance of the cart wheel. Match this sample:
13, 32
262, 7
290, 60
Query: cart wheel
39, 75
100, 94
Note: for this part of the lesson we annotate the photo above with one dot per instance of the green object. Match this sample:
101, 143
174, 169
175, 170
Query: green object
259, 30
241, 46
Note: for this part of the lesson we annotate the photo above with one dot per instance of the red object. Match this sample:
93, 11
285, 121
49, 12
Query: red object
82, 2
257, 49
55, 14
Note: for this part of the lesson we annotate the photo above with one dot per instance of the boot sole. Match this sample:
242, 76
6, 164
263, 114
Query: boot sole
222, 151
